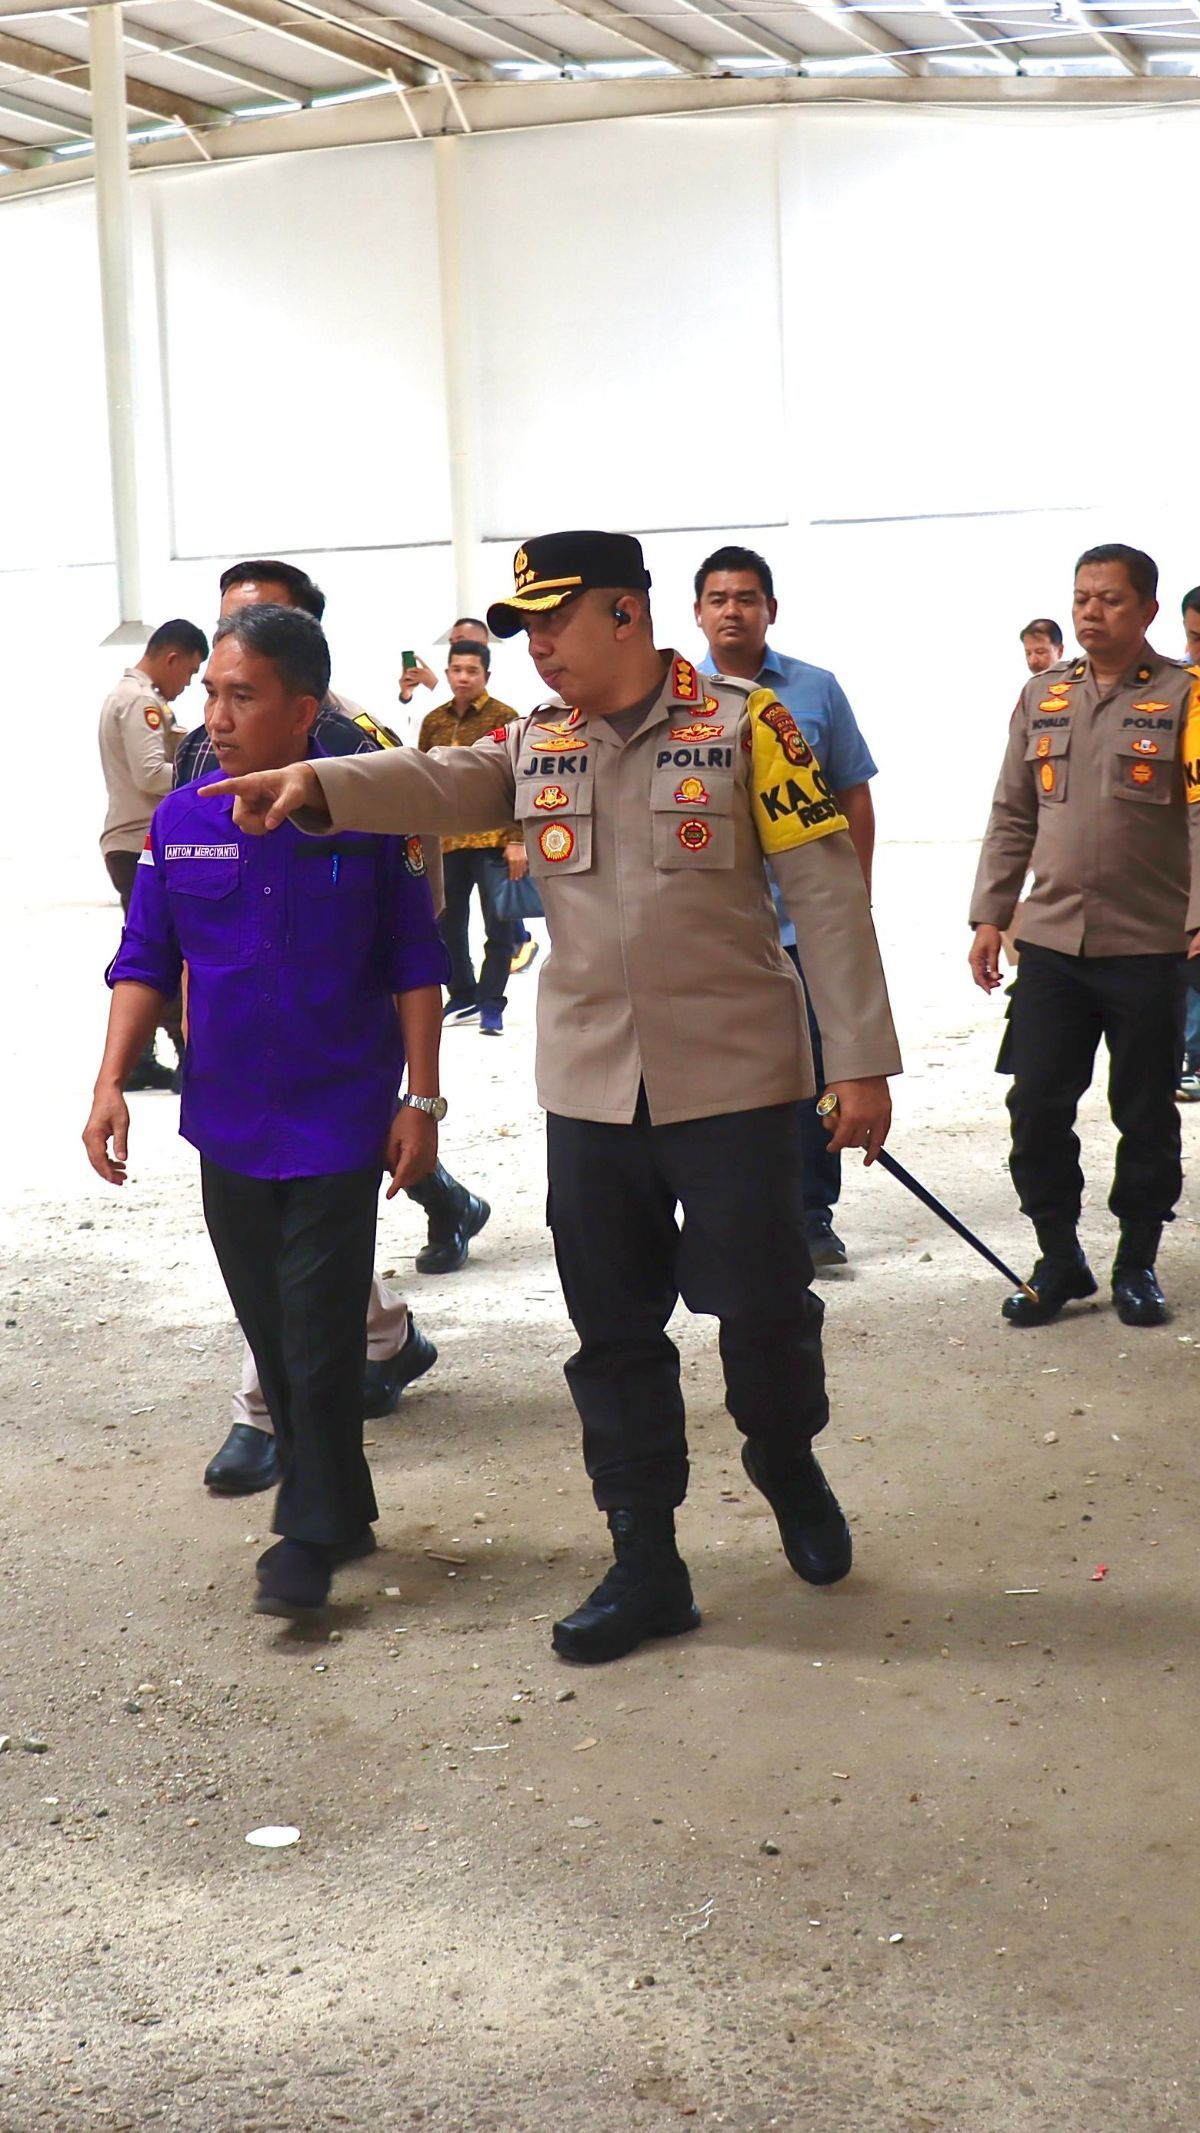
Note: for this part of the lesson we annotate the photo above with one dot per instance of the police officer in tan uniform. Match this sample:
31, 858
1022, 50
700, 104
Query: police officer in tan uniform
1103, 760
673, 1044
139, 737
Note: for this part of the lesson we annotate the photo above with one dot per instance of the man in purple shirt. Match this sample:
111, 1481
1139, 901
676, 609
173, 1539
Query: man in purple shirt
308, 965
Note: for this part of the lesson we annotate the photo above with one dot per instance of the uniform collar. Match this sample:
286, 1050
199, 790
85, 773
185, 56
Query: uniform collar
1135, 676
144, 682
681, 689
772, 668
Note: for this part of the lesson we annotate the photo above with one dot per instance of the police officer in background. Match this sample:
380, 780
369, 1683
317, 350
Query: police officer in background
673, 1045
139, 737
1093, 795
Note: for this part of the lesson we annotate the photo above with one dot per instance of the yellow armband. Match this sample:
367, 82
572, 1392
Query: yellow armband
382, 736
792, 804
1191, 740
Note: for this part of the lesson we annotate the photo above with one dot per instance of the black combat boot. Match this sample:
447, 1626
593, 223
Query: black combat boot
647, 1593
1136, 1294
812, 1524
1061, 1276
455, 1216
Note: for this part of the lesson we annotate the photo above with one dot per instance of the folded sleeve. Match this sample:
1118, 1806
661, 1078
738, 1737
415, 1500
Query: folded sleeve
149, 951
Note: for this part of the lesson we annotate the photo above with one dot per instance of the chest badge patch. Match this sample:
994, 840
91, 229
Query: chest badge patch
556, 842
693, 836
1143, 746
711, 704
558, 733
1141, 773
692, 793
697, 732
153, 718
1152, 707
1047, 777
1055, 703
551, 796
1044, 744
414, 857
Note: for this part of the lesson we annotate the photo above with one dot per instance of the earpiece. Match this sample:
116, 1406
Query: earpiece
621, 618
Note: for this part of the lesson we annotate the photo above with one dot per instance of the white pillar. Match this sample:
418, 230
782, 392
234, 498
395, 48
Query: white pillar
106, 55
458, 374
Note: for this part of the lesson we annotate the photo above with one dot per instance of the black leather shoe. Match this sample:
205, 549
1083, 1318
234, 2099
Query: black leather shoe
455, 1216
337, 1553
247, 1461
383, 1383
1058, 1282
647, 1593
293, 1579
1137, 1296
824, 1244
812, 1524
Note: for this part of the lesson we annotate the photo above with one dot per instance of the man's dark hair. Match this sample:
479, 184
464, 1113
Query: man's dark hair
736, 559
304, 593
290, 639
1043, 626
466, 648
1141, 569
1192, 599
476, 621
179, 636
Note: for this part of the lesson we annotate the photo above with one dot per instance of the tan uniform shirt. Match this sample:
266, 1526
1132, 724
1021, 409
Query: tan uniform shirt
138, 739
648, 852
1093, 794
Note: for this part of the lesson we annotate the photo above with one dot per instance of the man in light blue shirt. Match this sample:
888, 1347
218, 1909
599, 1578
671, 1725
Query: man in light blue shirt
735, 607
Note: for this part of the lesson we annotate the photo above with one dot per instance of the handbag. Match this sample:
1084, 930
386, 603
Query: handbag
517, 899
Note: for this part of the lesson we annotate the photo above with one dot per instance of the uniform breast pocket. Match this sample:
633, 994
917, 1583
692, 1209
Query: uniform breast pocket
205, 908
692, 814
1049, 755
554, 810
1144, 768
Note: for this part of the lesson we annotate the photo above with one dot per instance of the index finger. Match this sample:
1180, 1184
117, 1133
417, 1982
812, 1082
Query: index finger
222, 785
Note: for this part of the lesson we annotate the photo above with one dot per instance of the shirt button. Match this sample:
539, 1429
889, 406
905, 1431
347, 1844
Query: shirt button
266, 891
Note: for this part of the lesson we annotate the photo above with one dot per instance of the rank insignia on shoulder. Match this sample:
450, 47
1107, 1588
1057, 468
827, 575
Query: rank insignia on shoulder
697, 731
414, 857
692, 793
549, 797
556, 842
1080, 669
685, 682
788, 734
694, 835
153, 718
1144, 673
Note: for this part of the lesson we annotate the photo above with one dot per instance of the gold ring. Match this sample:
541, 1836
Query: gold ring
828, 1104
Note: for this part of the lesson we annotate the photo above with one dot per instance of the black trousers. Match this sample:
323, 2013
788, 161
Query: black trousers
1061, 1007
740, 1256
297, 1255
822, 1184
463, 872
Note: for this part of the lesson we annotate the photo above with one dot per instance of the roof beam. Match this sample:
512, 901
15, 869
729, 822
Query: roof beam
522, 41
326, 37
200, 55
40, 114
641, 35
15, 153
999, 47
48, 65
397, 36
1122, 49
864, 31
744, 30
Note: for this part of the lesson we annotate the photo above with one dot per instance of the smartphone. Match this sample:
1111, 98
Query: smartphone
408, 661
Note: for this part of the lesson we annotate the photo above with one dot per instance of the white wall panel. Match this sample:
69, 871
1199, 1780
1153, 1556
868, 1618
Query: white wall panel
629, 363
55, 447
304, 354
